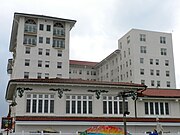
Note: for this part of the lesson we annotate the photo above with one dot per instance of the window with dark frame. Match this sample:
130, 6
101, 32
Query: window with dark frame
28, 50
48, 28
41, 26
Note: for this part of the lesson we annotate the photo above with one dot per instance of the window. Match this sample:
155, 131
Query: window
59, 53
168, 84
59, 64
27, 62
46, 75
124, 54
47, 52
141, 71
58, 29
152, 82
126, 64
143, 49
58, 43
80, 72
158, 83
39, 63
40, 51
40, 39
28, 50
167, 73
166, 62
146, 107
30, 26
142, 37
41, 27
163, 40
47, 64
130, 62
157, 72
157, 61
151, 72
151, 61
29, 40
107, 75
130, 72
39, 103
26, 75
163, 51
39, 75
47, 40
142, 81
156, 108
113, 105
121, 77
129, 51
111, 72
48, 28
141, 60
127, 74
128, 39
78, 104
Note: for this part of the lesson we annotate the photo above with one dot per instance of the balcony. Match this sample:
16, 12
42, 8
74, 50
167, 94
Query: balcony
59, 32
9, 66
30, 29
58, 44
30, 40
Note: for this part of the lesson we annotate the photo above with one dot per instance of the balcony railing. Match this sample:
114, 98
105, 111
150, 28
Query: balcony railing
59, 32
59, 44
9, 66
29, 28
32, 41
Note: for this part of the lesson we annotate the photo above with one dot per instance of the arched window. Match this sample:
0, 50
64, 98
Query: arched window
58, 29
30, 21
58, 24
30, 26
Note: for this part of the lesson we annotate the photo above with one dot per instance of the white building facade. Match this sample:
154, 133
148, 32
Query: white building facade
73, 105
39, 44
144, 57
47, 90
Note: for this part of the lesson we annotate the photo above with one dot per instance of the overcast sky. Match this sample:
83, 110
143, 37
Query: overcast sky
100, 23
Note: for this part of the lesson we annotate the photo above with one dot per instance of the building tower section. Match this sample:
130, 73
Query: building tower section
40, 46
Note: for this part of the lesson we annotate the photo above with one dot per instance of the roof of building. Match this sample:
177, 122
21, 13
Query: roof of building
160, 92
71, 82
77, 81
113, 54
44, 16
82, 63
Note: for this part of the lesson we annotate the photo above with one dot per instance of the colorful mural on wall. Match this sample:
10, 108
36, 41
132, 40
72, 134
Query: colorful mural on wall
103, 130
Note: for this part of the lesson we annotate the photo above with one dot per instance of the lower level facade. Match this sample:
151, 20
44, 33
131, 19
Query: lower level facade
73, 105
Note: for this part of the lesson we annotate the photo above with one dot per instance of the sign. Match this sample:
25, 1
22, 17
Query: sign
6, 123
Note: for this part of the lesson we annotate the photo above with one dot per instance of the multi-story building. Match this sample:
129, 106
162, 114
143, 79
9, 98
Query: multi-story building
82, 69
47, 90
142, 56
146, 57
40, 46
